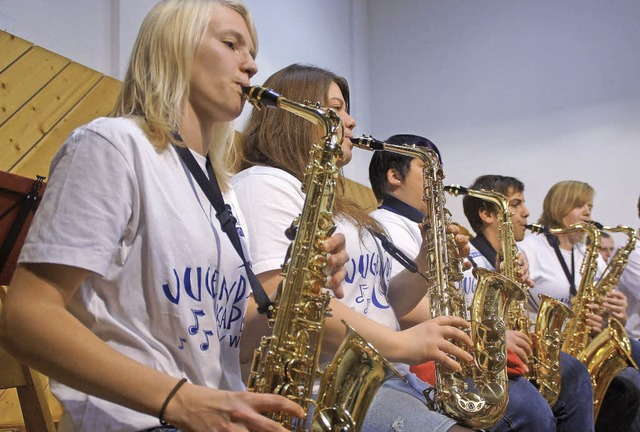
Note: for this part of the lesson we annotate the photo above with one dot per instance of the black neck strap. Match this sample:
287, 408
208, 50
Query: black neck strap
484, 247
211, 189
555, 244
396, 253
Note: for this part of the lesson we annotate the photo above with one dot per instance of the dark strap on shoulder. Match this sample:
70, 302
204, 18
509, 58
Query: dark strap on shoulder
211, 189
555, 244
484, 247
396, 253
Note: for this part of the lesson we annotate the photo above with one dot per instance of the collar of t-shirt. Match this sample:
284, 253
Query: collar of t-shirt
394, 205
484, 247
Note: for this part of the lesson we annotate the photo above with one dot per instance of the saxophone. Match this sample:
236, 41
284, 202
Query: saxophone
287, 362
546, 336
610, 351
478, 395
618, 262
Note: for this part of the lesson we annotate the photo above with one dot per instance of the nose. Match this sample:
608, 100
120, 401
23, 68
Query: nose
249, 65
525, 211
348, 121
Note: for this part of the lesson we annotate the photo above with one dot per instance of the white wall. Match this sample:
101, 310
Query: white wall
538, 89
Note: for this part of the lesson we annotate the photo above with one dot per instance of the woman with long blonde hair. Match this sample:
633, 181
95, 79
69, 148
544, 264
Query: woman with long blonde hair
554, 265
129, 294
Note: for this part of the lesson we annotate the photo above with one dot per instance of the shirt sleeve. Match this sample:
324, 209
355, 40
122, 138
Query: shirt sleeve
86, 206
270, 203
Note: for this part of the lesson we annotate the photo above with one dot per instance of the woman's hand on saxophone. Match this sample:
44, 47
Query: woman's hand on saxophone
616, 303
338, 257
199, 409
434, 340
594, 319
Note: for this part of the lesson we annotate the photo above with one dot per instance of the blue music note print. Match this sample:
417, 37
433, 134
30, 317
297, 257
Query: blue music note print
205, 345
197, 313
182, 341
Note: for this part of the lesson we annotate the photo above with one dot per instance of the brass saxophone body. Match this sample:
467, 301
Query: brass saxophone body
287, 362
610, 351
478, 395
544, 370
616, 265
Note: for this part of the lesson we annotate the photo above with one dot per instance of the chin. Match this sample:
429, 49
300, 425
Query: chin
344, 160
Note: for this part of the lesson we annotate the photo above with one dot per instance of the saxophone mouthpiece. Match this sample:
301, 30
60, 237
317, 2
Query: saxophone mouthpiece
456, 190
261, 97
368, 143
538, 228
597, 224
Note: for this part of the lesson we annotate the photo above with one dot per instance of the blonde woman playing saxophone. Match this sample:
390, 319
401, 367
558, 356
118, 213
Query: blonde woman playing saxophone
574, 408
554, 265
276, 149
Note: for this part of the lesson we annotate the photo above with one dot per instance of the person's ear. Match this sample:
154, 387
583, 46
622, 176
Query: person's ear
486, 216
393, 177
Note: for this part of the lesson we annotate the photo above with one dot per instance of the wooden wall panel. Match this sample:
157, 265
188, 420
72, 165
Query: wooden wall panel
96, 103
24, 78
363, 195
38, 116
11, 48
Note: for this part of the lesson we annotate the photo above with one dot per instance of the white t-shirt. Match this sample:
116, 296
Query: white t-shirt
160, 290
469, 281
629, 284
403, 232
271, 198
547, 273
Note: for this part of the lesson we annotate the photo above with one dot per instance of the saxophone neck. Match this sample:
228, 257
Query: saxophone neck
428, 156
509, 250
329, 120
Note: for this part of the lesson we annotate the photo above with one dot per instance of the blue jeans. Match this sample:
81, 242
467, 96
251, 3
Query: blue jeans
634, 376
527, 409
401, 407
574, 408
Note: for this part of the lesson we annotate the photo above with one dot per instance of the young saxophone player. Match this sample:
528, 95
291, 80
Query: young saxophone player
129, 294
554, 264
629, 285
397, 182
276, 148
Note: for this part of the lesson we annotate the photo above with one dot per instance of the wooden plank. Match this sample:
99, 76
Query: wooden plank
34, 120
11, 47
98, 102
25, 77
361, 194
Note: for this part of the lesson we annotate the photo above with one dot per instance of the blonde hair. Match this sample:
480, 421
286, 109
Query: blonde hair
283, 140
156, 85
563, 197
